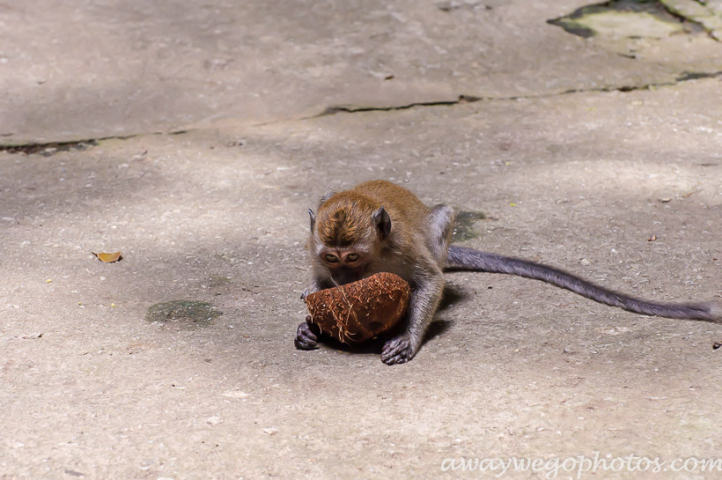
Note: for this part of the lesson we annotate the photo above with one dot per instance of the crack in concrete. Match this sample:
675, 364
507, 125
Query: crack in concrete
684, 77
701, 20
680, 16
47, 149
354, 109
665, 10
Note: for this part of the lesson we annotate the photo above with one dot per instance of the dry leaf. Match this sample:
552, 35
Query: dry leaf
108, 257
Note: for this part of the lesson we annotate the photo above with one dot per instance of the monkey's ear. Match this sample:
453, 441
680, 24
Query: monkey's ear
383, 222
313, 217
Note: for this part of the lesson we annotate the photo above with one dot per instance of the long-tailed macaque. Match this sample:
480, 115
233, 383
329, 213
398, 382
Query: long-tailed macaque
381, 227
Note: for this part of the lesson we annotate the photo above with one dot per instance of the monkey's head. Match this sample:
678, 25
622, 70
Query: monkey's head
347, 235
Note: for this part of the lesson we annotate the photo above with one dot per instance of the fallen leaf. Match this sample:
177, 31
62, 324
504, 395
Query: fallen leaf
108, 257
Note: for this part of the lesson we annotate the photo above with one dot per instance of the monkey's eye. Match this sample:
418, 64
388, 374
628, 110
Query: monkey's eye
352, 257
331, 258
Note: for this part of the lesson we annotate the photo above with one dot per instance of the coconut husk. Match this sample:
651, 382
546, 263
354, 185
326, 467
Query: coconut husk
361, 310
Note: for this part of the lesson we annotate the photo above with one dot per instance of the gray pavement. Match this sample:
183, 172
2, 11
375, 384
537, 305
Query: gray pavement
192, 137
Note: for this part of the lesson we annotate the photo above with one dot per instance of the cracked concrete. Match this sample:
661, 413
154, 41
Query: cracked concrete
121, 68
192, 138
708, 14
687, 76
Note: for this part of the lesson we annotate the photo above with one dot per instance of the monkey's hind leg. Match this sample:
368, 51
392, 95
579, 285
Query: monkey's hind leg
440, 222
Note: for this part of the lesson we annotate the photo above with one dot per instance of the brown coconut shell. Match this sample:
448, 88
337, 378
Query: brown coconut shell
361, 310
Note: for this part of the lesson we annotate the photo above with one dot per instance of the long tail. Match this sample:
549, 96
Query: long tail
462, 258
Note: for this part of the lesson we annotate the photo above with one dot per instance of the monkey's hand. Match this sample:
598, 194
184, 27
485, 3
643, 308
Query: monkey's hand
312, 289
307, 335
398, 350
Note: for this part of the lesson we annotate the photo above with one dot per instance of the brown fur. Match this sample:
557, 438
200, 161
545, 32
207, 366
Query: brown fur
412, 241
414, 248
345, 219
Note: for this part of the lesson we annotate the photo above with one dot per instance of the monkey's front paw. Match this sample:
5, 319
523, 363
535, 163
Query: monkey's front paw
309, 291
398, 350
306, 335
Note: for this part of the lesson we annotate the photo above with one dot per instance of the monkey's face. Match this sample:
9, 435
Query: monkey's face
344, 265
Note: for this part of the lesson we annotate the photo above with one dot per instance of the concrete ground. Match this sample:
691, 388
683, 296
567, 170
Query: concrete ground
193, 136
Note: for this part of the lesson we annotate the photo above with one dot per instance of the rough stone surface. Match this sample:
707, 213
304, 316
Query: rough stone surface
115, 68
617, 183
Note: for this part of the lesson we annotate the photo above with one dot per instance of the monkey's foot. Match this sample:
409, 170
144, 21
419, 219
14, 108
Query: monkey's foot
397, 350
306, 335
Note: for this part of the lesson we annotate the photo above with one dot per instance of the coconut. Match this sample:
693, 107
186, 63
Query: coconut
358, 311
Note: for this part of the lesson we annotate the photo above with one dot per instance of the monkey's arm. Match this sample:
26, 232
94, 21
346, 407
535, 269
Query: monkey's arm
313, 288
424, 302
429, 282
307, 333
462, 258
319, 283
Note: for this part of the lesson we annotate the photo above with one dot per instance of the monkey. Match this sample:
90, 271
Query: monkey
379, 226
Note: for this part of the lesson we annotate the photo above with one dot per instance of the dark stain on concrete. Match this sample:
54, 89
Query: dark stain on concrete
464, 225
186, 314
572, 23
